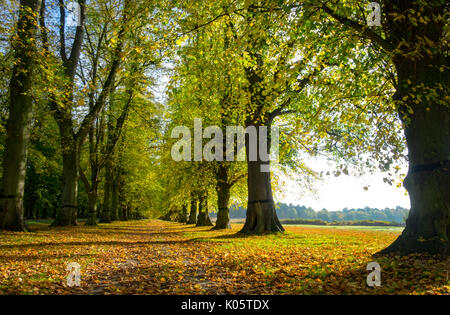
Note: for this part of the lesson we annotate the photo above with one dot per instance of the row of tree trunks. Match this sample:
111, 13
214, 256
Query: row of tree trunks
71, 141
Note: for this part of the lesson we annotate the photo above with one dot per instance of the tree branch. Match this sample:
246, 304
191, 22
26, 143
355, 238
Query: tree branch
107, 85
77, 43
366, 32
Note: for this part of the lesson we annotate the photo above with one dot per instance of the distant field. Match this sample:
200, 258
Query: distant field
340, 227
354, 227
241, 221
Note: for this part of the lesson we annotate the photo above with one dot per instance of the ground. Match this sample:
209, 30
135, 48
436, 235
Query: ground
156, 257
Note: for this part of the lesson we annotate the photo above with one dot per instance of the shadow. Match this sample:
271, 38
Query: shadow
44, 257
113, 243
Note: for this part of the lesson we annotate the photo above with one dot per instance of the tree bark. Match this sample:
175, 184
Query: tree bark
67, 214
124, 214
203, 218
106, 213
193, 211
92, 197
261, 215
92, 208
128, 210
19, 121
115, 197
223, 198
70, 144
182, 218
427, 132
122, 206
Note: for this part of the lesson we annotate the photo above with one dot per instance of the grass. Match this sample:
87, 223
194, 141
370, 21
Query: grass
156, 257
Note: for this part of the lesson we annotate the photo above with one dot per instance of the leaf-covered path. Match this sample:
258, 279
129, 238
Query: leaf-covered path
156, 257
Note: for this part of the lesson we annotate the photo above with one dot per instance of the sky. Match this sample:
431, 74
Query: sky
346, 191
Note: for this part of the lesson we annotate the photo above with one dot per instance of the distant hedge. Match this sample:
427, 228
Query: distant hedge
295, 212
335, 223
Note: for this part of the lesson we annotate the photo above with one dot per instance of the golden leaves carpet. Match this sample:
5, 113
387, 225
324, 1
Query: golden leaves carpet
156, 257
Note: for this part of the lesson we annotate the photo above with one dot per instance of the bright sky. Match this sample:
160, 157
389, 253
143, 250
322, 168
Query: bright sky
336, 193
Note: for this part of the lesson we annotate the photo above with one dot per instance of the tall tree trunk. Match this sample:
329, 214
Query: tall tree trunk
67, 214
128, 210
106, 213
124, 214
19, 121
115, 197
92, 206
28, 212
182, 218
421, 61
223, 198
44, 213
420, 54
427, 132
122, 208
203, 218
193, 211
261, 214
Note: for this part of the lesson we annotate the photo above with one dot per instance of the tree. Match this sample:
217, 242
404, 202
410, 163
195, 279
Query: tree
20, 117
413, 35
62, 105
